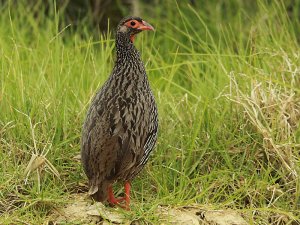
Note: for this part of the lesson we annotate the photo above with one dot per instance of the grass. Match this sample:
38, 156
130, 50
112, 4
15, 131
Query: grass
226, 81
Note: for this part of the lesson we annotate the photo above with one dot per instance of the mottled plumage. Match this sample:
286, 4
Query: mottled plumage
121, 125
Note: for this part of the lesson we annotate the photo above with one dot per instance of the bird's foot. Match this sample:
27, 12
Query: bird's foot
116, 201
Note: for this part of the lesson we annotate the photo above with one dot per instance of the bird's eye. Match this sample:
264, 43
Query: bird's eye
132, 23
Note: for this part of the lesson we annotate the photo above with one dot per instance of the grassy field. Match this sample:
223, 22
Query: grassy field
226, 77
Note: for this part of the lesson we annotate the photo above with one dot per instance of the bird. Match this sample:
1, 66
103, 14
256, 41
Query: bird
121, 126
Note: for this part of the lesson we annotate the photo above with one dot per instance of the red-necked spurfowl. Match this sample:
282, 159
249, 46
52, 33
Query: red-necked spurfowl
121, 125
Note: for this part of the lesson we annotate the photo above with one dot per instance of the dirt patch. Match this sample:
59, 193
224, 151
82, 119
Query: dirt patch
81, 210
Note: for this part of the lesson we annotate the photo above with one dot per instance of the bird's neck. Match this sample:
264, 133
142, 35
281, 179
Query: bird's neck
128, 63
126, 51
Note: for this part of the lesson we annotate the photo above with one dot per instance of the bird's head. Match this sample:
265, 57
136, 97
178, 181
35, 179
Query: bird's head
132, 26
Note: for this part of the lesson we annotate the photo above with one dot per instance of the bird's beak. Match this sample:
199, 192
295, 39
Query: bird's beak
145, 26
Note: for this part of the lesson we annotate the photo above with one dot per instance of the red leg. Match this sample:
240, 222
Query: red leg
111, 198
127, 195
116, 201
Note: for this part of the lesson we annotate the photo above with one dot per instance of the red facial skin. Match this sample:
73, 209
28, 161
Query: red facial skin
138, 25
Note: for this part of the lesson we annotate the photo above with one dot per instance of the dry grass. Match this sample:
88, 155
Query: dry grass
271, 105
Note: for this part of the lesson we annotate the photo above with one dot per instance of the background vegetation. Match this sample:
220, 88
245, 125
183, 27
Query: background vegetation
226, 78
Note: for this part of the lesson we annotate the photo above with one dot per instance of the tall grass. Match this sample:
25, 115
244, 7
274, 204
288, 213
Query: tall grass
226, 80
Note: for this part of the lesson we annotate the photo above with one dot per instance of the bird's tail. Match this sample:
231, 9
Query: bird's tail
99, 192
